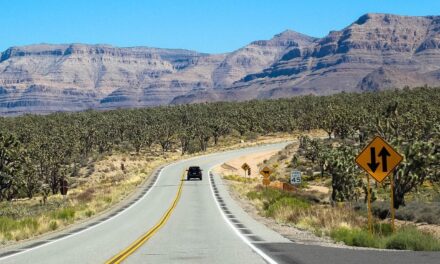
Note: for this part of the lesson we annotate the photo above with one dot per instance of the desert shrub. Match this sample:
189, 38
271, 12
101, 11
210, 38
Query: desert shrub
380, 209
8, 224
382, 229
86, 196
405, 215
89, 213
53, 225
107, 199
253, 195
423, 212
354, 237
267, 195
429, 217
406, 238
251, 135
238, 178
281, 205
282, 156
286, 204
409, 238
65, 214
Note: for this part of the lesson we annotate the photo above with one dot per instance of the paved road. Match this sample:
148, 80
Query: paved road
207, 226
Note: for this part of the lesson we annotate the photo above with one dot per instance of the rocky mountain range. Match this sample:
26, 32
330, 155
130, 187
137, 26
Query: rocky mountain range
376, 52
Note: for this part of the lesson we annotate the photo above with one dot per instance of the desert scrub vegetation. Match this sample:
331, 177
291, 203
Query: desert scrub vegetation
415, 211
239, 178
39, 152
341, 222
91, 193
405, 238
279, 205
97, 185
410, 124
302, 211
341, 214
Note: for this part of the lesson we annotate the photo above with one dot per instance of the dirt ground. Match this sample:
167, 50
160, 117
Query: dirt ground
320, 189
428, 228
234, 166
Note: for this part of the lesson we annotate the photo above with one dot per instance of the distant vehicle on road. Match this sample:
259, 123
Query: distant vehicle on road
194, 172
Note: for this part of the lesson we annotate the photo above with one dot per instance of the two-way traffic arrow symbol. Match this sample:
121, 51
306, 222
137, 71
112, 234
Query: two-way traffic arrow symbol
384, 154
373, 164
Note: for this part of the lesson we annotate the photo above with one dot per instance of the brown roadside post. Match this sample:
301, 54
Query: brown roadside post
370, 217
393, 210
64, 187
245, 168
266, 172
379, 165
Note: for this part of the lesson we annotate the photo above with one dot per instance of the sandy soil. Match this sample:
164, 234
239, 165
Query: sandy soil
428, 228
288, 231
301, 236
234, 166
317, 188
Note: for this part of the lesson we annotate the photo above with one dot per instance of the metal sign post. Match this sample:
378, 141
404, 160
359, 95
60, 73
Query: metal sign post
64, 187
370, 224
379, 160
245, 168
266, 171
393, 211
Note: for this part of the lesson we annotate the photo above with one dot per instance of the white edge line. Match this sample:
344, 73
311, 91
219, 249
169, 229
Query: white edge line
139, 200
94, 226
237, 232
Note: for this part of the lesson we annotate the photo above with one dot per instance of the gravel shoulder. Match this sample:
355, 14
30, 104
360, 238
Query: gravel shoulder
289, 231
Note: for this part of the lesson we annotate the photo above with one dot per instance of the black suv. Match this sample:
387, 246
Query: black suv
194, 172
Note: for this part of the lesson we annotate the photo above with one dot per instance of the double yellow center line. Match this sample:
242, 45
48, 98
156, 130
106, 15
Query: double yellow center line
144, 238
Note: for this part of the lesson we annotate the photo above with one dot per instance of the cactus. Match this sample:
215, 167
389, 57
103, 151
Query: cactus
346, 179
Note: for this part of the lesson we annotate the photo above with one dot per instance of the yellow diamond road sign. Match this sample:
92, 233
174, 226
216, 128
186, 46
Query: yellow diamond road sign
378, 159
245, 166
266, 171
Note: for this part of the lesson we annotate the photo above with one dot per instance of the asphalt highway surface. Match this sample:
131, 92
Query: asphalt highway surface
178, 221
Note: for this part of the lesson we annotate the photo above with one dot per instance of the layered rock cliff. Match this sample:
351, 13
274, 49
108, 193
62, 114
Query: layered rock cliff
376, 52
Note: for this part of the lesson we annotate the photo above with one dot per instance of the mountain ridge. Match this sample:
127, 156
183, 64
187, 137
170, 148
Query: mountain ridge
375, 52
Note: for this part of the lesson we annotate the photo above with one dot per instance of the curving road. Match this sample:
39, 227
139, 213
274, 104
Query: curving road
205, 226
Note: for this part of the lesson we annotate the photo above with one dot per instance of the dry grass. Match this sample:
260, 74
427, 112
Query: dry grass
299, 210
309, 209
102, 189
99, 185
321, 219
240, 178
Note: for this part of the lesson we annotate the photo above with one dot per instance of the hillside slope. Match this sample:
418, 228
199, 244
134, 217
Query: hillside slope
376, 52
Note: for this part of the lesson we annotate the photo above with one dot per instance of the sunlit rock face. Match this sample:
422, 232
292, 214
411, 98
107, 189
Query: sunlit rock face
376, 52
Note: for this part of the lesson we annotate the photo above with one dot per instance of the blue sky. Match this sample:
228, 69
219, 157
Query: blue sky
204, 25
